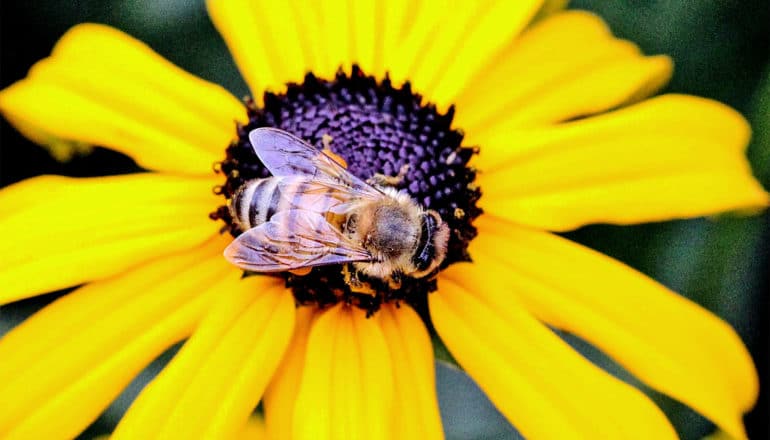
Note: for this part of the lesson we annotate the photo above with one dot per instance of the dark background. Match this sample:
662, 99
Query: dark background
721, 50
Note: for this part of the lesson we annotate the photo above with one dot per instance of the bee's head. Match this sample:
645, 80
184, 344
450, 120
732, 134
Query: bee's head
432, 244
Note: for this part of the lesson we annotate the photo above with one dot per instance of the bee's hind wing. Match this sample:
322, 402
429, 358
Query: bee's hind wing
293, 239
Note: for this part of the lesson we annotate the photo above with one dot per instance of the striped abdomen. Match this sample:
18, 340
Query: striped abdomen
258, 200
255, 202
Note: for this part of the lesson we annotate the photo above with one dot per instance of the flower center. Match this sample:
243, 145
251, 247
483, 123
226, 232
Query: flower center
378, 130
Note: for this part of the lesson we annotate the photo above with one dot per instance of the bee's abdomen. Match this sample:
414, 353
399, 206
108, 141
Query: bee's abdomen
255, 202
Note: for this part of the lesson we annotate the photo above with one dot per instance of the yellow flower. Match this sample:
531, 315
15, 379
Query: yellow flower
566, 139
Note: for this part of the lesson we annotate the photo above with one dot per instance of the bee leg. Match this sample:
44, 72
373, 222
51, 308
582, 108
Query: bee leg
394, 282
326, 141
363, 288
383, 180
346, 274
356, 285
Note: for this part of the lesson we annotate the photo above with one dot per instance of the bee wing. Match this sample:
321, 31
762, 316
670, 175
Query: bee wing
291, 240
319, 196
287, 155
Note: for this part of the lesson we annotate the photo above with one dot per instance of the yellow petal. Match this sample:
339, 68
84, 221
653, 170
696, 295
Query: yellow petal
281, 393
102, 87
366, 26
60, 149
322, 62
253, 430
334, 19
565, 66
419, 25
480, 37
447, 42
346, 391
544, 387
66, 363
272, 42
414, 374
550, 7
670, 343
392, 19
211, 387
60, 231
673, 156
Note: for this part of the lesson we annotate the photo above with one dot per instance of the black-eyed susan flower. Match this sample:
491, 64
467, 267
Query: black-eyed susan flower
556, 133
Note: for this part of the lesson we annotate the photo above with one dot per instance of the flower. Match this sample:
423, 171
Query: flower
564, 141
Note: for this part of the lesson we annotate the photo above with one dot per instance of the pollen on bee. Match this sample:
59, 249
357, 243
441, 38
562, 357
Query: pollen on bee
301, 272
326, 141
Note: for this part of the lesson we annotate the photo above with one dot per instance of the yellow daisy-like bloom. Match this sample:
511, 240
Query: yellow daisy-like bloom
556, 105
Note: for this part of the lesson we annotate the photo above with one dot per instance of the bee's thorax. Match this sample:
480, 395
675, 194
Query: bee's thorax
393, 232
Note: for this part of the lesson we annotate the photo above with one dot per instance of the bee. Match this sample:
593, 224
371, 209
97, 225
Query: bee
313, 212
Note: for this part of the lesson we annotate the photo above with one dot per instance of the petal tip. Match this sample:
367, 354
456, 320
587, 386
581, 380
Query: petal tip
81, 31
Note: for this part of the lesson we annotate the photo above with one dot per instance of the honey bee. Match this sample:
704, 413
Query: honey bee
313, 212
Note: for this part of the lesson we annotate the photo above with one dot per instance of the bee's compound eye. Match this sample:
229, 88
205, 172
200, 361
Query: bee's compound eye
426, 252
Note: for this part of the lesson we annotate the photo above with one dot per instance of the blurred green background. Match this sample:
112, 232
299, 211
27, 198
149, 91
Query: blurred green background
721, 50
